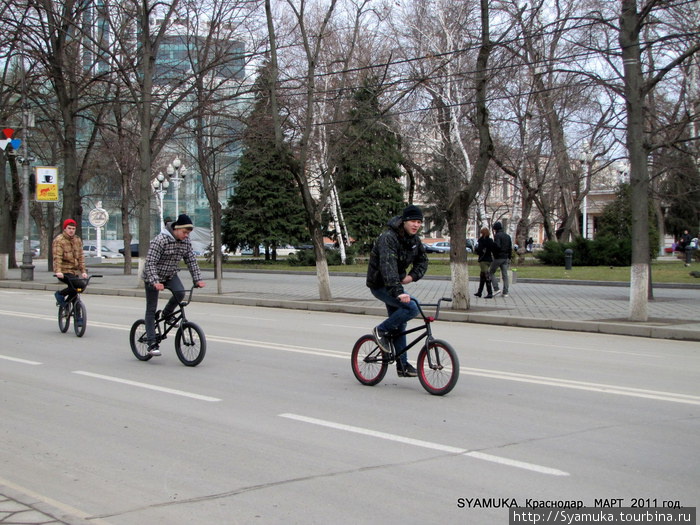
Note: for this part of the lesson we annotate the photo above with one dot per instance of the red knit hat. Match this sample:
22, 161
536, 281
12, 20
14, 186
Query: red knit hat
68, 222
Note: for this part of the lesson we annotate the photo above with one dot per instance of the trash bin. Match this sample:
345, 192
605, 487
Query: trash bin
568, 257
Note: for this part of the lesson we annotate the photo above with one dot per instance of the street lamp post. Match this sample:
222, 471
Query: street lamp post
176, 173
27, 273
160, 186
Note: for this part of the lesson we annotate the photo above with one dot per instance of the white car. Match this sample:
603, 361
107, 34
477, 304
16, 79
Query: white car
90, 250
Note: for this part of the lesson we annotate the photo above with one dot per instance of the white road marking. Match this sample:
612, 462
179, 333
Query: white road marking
540, 469
148, 386
71, 511
565, 347
18, 360
583, 385
493, 374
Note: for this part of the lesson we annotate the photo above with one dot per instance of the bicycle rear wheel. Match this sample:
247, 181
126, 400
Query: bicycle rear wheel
64, 312
138, 340
368, 361
438, 367
190, 344
79, 312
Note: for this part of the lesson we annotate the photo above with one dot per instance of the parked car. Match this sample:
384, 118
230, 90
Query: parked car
90, 250
286, 250
134, 249
437, 247
444, 246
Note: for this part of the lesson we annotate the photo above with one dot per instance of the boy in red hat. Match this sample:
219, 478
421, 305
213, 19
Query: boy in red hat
68, 258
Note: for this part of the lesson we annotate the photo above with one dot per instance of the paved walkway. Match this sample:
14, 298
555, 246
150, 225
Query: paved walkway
591, 307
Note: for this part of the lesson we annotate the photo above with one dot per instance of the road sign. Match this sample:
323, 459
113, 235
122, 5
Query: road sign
46, 183
98, 217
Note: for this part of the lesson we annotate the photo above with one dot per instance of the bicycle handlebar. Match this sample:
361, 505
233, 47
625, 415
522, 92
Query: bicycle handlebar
436, 305
72, 280
189, 297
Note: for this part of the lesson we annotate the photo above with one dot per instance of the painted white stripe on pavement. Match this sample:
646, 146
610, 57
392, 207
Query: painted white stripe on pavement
18, 360
147, 386
584, 385
71, 511
429, 445
494, 374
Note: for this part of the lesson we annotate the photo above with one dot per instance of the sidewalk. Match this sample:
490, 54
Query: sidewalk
582, 306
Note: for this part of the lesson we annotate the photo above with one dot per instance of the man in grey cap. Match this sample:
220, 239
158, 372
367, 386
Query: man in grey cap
397, 258
165, 252
501, 257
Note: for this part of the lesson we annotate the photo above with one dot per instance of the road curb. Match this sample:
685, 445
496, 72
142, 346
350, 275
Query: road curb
500, 318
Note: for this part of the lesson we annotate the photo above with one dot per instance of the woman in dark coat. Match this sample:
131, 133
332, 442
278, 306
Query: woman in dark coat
484, 249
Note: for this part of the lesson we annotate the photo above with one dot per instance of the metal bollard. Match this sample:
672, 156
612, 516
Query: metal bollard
568, 257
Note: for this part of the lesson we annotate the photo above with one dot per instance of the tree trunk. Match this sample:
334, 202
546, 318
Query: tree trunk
639, 175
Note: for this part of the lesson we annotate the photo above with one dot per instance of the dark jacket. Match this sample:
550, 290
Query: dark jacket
684, 241
485, 247
504, 245
395, 254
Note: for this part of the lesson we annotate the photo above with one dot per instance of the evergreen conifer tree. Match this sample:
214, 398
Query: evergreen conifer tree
369, 170
266, 206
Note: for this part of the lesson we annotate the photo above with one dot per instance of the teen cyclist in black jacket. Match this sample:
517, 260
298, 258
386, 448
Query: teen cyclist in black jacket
398, 258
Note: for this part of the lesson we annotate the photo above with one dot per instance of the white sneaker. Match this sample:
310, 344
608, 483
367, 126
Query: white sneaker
154, 351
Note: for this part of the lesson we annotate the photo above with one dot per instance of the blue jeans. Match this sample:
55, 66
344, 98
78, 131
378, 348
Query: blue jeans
399, 315
175, 286
503, 265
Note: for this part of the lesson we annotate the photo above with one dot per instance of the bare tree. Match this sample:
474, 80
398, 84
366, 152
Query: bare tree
638, 87
307, 104
453, 72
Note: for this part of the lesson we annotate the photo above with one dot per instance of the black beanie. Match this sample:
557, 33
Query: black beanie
183, 221
497, 226
412, 213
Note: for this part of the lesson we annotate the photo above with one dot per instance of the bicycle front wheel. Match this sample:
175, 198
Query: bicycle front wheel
368, 361
139, 341
438, 367
64, 317
79, 318
190, 344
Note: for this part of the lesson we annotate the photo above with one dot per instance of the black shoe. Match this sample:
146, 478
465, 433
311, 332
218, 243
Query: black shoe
171, 321
382, 338
153, 350
406, 370
477, 294
489, 296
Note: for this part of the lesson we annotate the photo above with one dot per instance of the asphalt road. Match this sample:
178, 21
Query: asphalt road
273, 428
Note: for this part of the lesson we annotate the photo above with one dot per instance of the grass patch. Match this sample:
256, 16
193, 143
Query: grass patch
665, 271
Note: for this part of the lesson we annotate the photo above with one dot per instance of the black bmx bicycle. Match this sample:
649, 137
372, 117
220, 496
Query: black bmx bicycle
190, 343
438, 364
74, 307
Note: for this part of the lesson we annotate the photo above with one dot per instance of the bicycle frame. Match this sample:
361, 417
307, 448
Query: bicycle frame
426, 328
179, 317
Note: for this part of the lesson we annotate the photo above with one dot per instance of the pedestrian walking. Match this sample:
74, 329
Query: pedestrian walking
484, 249
501, 258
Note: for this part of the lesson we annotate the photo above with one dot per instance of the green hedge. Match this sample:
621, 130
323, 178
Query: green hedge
602, 251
